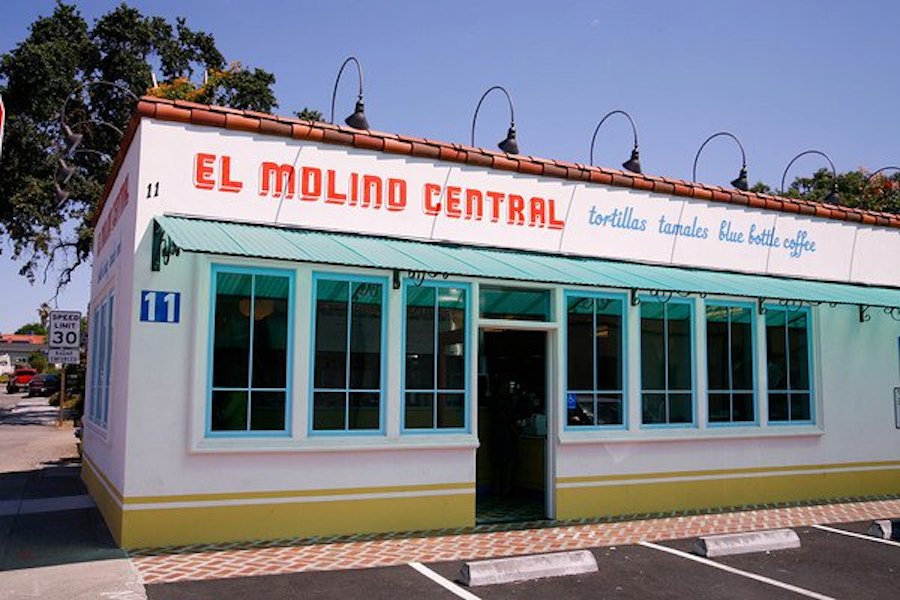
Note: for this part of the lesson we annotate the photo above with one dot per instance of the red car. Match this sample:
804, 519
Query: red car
20, 379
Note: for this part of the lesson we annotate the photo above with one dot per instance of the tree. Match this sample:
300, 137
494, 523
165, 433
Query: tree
52, 72
856, 189
38, 361
32, 329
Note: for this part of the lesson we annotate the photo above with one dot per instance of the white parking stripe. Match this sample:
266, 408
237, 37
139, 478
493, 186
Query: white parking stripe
444, 583
747, 574
861, 536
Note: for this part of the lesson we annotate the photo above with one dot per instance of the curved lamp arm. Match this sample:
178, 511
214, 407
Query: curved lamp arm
511, 135
359, 73
741, 182
819, 153
87, 84
603, 120
872, 175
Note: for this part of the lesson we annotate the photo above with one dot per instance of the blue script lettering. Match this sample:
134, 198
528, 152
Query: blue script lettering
727, 235
765, 237
618, 219
799, 244
693, 230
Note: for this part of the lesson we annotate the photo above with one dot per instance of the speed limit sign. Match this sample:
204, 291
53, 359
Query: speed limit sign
65, 329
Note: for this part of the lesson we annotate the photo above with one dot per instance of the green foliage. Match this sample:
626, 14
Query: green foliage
32, 329
38, 361
308, 114
54, 71
856, 189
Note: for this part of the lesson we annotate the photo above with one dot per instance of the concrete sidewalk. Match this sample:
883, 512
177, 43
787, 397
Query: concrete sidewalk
53, 541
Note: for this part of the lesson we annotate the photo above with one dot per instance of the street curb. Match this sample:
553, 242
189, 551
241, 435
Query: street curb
743, 543
526, 568
886, 529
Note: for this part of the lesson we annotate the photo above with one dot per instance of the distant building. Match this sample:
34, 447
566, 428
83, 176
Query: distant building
17, 347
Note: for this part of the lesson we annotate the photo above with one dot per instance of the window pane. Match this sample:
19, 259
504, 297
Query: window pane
776, 359
653, 409
719, 408
680, 359
680, 409
514, 303
609, 409
364, 410
328, 410
451, 365
419, 411
270, 331
451, 410
580, 409
229, 411
331, 334
579, 335
741, 349
365, 337
799, 352
231, 337
800, 410
778, 407
420, 329
609, 344
717, 348
743, 408
267, 411
653, 366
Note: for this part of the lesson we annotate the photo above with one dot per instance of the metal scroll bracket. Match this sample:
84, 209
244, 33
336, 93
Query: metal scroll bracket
164, 248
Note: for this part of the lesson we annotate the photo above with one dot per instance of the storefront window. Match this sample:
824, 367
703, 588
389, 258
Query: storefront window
100, 361
348, 354
251, 345
595, 353
787, 358
514, 304
729, 360
435, 382
666, 362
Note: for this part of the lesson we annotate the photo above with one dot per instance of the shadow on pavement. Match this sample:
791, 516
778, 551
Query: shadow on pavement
34, 532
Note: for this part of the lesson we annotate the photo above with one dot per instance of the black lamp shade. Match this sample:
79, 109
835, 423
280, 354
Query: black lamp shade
741, 181
633, 164
833, 197
510, 145
358, 119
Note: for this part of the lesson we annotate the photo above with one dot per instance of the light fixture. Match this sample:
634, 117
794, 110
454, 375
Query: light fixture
633, 164
832, 197
358, 119
509, 144
64, 171
872, 176
741, 181
262, 307
61, 194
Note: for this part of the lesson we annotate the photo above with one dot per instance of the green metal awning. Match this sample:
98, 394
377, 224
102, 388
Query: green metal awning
178, 233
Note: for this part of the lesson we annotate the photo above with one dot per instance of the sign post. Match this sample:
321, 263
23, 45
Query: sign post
64, 337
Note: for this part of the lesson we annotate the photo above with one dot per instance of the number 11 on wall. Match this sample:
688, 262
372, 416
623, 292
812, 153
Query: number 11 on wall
160, 307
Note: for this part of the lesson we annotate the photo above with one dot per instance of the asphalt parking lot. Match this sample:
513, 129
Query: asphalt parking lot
828, 564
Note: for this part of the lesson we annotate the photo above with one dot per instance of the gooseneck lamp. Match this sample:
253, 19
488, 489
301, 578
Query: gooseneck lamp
509, 143
358, 119
633, 164
832, 197
873, 174
741, 181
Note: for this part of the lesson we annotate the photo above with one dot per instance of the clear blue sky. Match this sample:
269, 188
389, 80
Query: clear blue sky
784, 76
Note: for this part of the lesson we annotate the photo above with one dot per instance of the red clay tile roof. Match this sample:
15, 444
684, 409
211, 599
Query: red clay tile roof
254, 122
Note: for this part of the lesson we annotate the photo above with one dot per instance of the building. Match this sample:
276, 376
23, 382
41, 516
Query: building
17, 348
301, 329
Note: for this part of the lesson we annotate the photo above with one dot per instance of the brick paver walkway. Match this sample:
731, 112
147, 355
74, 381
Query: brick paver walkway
268, 558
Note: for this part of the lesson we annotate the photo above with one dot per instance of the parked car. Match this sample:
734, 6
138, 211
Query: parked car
20, 379
43, 384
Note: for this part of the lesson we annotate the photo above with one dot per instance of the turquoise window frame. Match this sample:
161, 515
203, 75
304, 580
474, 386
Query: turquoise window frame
101, 361
754, 374
809, 363
350, 278
623, 298
692, 311
467, 396
288, 395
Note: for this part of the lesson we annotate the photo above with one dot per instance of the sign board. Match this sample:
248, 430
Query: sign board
64, 356
65, 329
160, 307
2, 123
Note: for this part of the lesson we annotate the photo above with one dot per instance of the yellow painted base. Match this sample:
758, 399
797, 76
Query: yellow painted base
176, 526
630, 497
108, 502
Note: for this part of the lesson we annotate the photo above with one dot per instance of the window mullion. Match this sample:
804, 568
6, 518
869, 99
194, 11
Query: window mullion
730, 369
434, 341
250, 357
347, 356
666, 357
594, 359
787, 362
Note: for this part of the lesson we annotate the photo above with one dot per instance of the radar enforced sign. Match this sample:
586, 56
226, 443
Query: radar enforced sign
64, 336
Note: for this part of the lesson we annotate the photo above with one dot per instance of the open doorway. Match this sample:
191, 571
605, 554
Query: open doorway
512, 426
